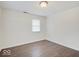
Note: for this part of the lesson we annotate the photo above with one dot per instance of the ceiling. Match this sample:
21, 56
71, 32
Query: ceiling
34, 8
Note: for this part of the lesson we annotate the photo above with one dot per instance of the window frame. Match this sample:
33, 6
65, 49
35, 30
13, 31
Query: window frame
35, 25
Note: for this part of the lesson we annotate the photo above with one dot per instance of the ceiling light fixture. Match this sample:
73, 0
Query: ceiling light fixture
43, 4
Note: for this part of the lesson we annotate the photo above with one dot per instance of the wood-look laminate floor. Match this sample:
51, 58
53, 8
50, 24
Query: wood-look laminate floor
42, 48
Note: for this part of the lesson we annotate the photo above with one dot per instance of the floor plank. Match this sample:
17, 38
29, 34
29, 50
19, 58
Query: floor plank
42, 48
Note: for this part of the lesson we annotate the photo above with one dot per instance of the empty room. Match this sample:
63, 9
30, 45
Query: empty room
39, 28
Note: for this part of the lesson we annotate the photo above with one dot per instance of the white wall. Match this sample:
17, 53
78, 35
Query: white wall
63, 28
18, 28
0, 28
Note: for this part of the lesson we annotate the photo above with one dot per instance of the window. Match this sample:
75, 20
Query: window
35, 25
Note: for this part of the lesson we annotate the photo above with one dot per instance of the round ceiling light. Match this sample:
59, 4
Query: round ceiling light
43, 4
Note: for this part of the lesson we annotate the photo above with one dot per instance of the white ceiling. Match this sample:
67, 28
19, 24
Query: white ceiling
34, 8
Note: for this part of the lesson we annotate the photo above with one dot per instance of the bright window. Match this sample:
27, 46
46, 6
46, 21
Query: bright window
35, 25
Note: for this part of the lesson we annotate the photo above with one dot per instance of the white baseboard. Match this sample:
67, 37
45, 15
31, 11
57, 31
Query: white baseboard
21, 44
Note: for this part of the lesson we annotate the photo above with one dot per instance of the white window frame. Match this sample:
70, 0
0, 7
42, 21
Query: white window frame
35, 25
